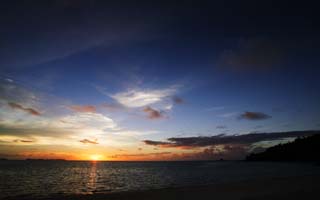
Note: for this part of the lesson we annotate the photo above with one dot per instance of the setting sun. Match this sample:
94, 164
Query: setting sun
96, 157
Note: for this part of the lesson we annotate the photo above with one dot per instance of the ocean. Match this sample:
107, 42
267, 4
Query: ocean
47, 178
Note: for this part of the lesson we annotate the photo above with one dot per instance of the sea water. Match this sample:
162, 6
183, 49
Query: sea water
46, 178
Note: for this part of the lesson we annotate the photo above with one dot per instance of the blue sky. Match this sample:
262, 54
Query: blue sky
134, 72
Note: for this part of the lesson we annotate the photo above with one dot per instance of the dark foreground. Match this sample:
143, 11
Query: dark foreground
303, 187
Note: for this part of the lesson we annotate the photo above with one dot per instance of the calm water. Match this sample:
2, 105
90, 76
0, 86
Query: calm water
42, 178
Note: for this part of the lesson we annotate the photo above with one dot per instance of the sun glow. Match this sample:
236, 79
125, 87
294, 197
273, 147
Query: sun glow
96, 157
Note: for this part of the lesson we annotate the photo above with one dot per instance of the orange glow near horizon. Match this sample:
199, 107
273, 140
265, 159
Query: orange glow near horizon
96, 157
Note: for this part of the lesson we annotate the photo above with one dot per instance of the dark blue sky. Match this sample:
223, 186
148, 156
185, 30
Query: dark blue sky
174, 69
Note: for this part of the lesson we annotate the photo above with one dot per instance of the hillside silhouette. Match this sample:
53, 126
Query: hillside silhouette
301, 149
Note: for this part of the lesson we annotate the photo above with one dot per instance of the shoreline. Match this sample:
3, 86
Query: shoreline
298, 187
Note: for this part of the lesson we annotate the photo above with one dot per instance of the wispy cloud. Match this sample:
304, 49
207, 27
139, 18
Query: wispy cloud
229, 114
84, 108
254, 116
140, 98
20, 107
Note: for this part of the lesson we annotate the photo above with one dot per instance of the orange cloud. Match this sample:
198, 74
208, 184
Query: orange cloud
152, 113
20, 107
84, 108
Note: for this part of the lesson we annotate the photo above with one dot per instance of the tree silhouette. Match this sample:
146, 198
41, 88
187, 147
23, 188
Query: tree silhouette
301, 149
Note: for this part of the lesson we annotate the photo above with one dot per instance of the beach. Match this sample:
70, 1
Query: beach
299, 187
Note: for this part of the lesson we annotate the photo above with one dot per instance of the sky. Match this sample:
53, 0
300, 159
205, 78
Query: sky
155, 80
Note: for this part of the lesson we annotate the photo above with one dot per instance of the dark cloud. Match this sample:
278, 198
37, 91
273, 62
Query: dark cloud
152, 113
254, 116
224, 147
23, 141
87, 141
83, 108
20, 107
177, 100
221, 127
195, 142
155, 143
227, 152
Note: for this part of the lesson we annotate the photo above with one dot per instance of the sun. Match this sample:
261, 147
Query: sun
96, 157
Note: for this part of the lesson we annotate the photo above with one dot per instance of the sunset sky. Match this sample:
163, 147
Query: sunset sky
94, 80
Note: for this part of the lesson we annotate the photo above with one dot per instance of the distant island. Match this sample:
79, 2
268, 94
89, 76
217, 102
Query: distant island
40, 159
301, 149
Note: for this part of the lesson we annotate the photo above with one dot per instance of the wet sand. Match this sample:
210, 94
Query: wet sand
306, 187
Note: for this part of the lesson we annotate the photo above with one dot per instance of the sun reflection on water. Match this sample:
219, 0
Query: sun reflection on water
92, 179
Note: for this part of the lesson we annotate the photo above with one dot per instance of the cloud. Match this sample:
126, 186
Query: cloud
152, 113
57, 127
225, 146
84, 108
20, 107
142, 156
140, 98
227, 152
254, 116
157, 143
81, 120
87, 141
24, 141
12, 92
195, 142
254, 54
228, 115
177, 100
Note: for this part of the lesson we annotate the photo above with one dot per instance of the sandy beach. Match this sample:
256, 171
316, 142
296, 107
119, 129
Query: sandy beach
305, 187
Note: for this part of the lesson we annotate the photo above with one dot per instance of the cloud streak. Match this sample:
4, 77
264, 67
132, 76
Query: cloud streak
254, 116
84, 108
87, 141
20, 107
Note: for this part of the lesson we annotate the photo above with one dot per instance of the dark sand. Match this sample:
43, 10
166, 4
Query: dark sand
307, 187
